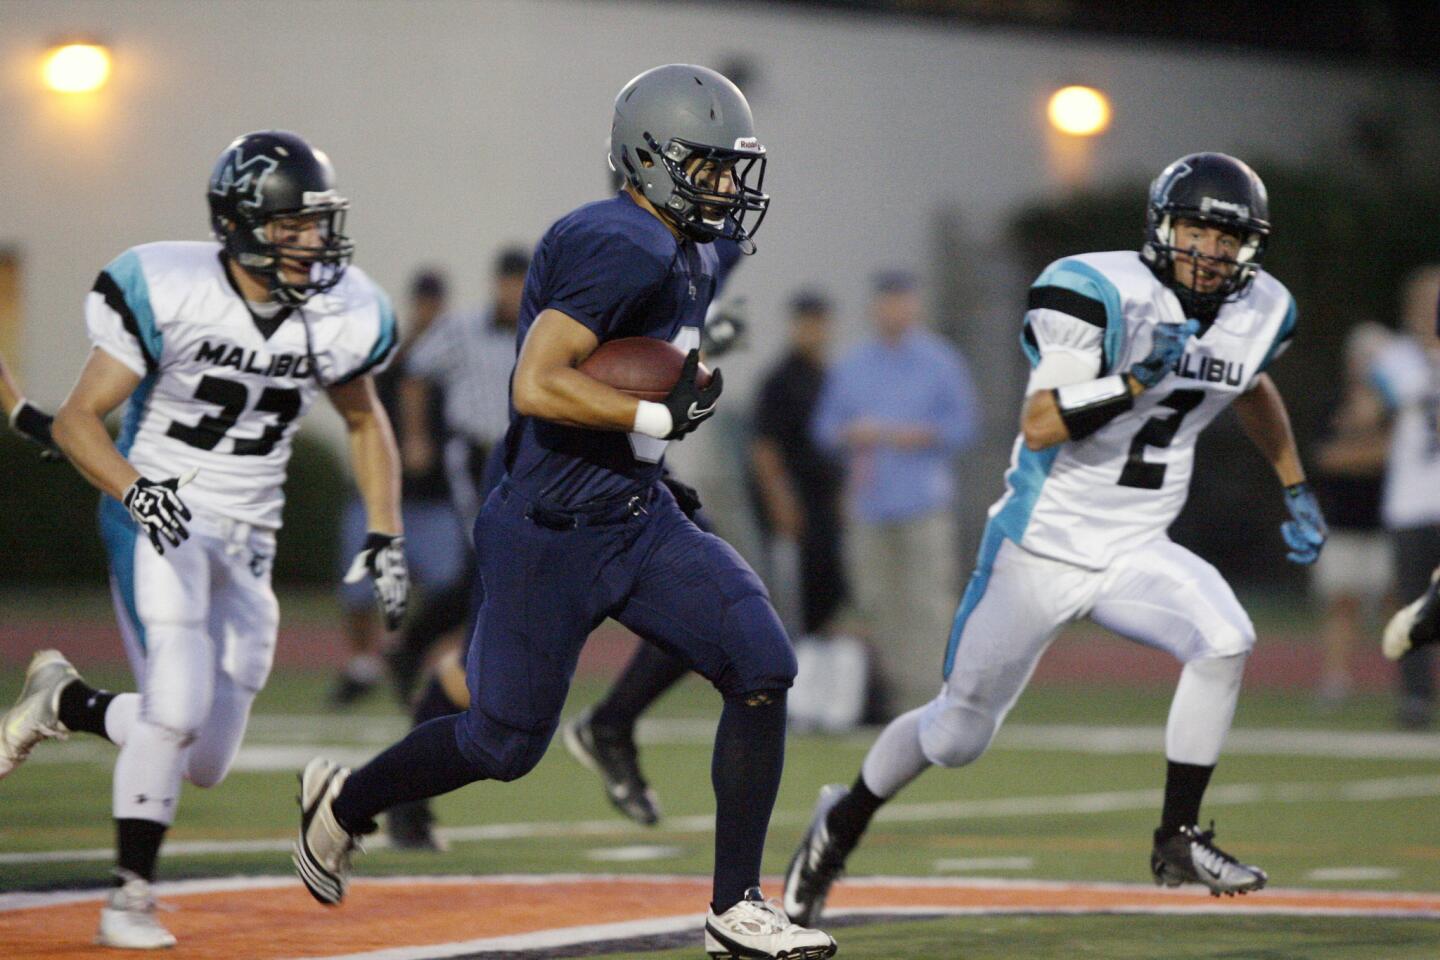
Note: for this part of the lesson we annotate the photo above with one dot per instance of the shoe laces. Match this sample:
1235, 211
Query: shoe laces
759, 917
1205, 839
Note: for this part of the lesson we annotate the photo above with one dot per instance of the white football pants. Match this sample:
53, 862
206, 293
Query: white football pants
199, 625
1161, 595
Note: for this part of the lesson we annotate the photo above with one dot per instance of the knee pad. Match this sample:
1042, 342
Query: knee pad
954, 734
498, 751
761, 657
179, 715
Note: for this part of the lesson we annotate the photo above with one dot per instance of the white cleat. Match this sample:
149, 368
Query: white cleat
35, 716
127, 921
757, 928
322, 849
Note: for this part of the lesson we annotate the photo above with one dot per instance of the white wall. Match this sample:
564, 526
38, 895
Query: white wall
457, 126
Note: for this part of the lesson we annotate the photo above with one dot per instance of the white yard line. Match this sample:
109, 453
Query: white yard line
1344, 791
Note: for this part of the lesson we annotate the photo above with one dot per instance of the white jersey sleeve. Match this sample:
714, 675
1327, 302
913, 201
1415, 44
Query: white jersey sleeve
1073, 308
118, 316
363, 340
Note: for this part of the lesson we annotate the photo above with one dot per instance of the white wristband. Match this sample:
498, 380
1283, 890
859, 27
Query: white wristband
653, 419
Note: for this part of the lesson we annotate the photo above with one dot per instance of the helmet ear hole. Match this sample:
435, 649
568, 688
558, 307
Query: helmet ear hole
646, 160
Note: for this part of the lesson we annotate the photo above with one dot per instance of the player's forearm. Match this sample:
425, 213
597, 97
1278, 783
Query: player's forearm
1043, 422
1264, 419
565, 395
376, 462
82, 436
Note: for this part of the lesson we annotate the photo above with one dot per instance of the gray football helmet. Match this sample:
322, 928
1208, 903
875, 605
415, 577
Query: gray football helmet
666, 118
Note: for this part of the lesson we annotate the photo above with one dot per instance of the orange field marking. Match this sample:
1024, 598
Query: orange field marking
273, 918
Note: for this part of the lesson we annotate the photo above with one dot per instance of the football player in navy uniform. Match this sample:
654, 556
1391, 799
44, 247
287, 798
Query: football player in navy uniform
581, 528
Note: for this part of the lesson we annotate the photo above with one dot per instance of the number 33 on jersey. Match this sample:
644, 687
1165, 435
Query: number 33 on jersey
221, 387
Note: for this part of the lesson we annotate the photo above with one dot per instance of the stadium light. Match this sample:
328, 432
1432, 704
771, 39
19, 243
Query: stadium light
1079, 111
77, 68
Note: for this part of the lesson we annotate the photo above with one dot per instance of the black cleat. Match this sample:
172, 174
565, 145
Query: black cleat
1191, 856
612, 755
359, 678
817, 864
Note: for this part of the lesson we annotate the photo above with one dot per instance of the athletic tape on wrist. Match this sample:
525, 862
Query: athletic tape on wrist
653, 419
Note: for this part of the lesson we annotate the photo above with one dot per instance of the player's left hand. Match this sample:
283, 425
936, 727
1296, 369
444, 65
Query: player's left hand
33, 424
383, 559
1305, 533
725, 327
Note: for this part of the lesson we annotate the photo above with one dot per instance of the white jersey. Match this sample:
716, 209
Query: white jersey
1408, 377
217, 393
1087, 502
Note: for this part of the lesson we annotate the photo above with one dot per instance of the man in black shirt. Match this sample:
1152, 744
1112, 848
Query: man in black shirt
798, 486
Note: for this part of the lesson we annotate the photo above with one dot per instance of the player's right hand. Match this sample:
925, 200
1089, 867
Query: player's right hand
689, 404
158, 509
1166, 349
33, 424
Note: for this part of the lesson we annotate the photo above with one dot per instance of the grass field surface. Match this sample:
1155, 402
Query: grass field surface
1339, 809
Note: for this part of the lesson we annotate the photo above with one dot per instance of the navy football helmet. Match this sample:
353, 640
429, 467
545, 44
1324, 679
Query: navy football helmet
271, 175
1217, 190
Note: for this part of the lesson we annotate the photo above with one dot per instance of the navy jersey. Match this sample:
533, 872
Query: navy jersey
619, 271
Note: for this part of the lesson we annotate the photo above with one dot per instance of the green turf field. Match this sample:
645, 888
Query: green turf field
1069, 792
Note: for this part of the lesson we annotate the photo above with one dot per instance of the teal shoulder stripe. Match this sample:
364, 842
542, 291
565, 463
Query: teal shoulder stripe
384, 341
1286, 333
133, 290
1087, 281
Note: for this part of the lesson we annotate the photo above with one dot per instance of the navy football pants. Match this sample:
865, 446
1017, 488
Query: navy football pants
551, 578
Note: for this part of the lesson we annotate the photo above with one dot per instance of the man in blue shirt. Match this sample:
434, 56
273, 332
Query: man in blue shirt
581, 528
899, 407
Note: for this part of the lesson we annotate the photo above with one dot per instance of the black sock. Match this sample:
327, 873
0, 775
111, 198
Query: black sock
82, 708
1185, 785
745, 771
138, 843
650, 672
427, 763
849, 818
434, 702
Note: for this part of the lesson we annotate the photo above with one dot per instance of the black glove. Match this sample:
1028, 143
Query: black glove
33, 424
691, 405
383, 559
686, 498
158, 509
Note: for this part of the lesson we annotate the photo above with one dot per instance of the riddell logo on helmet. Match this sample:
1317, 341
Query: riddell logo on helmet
244, 178
747, 143
1211, 205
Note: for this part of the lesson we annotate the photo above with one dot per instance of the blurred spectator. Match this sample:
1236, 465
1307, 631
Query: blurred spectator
469, 356
797, 490
898, 408
1356, 571
434, 541
1407, 374
798, 484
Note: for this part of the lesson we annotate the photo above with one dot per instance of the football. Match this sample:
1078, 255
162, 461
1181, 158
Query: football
643, 367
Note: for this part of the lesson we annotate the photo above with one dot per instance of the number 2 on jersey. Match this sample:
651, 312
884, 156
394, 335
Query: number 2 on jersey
1157, 432
232, 397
